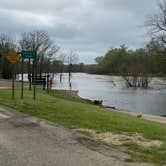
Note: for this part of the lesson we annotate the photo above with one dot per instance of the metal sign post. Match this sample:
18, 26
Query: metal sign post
13, 57
34, 80
22, 79
31, 55
13, 82
29, 73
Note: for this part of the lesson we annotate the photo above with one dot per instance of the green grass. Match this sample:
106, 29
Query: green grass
76, 113
155, 155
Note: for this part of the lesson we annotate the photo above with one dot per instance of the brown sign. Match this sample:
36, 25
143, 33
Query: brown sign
13, 57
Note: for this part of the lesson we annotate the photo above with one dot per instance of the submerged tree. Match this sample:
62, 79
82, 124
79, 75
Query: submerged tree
136, 76
135, 71
131, 65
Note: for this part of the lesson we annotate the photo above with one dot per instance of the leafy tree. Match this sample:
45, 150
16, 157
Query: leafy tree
112, 60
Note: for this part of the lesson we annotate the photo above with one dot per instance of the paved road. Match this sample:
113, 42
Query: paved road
28, 141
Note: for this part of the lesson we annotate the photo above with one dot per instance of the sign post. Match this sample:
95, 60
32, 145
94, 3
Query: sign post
34, 79
13, 83
13, 57
31, 55
29, 73
22, 79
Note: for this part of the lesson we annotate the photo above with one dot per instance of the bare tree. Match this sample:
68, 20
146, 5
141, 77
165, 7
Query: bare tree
157, 24
40, 42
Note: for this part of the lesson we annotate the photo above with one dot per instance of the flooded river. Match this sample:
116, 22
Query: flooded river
113, 92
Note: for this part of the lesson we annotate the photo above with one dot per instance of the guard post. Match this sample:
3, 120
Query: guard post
48, 76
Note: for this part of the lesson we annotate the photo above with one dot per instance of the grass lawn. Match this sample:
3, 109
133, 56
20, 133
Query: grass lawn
75, 113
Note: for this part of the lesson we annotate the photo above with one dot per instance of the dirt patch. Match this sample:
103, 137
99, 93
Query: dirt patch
122, 138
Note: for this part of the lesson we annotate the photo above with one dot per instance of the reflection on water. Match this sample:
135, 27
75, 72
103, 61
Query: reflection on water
112, 90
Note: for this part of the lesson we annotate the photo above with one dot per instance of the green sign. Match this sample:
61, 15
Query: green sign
28, 54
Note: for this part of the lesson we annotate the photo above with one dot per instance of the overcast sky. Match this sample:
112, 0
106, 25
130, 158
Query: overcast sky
89, 27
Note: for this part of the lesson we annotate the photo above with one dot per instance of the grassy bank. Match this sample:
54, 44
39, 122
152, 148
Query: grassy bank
75, 113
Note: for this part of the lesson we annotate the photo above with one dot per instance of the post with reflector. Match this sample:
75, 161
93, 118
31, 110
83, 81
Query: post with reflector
31, 55
13, 57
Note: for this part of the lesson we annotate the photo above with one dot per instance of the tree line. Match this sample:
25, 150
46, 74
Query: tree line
49, 60
151, 59
136, 66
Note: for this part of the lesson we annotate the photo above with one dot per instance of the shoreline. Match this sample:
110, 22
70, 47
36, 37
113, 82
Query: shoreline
118, 74
150, 117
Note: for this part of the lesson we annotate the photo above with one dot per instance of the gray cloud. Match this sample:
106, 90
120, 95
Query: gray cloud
88, 26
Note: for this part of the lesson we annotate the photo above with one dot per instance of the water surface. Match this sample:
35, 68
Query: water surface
113, 92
